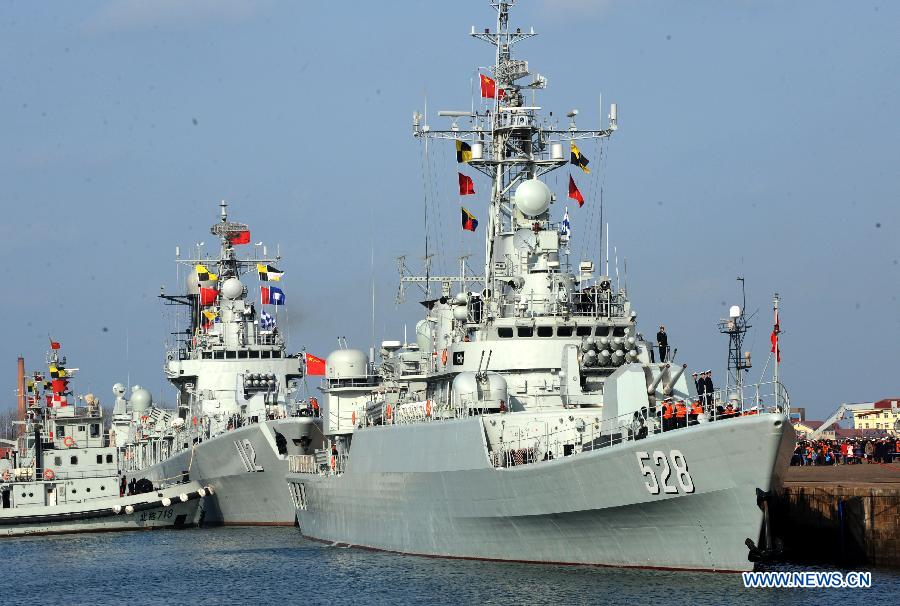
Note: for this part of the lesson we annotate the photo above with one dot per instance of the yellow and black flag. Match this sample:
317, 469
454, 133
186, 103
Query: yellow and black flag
578, 159
57, 372
204, 275
463, 151
267, 273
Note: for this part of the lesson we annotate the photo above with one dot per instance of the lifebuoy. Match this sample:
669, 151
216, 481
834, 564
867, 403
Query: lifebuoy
48, 474
6, 475
444, 357
69, 442
427, 408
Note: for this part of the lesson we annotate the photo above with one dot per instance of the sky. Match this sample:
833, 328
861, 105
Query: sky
756, 138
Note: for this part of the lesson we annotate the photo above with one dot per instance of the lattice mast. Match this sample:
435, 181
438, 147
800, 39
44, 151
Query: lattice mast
511, 142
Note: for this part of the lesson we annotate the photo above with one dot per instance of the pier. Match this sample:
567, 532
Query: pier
842, 514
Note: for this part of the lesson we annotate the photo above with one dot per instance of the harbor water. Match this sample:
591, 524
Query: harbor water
277, 566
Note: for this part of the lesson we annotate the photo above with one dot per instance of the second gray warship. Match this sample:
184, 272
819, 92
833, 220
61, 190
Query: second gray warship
240, 408
529, 421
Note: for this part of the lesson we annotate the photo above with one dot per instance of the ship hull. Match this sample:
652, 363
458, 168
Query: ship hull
249, 481
108, 515
593, 508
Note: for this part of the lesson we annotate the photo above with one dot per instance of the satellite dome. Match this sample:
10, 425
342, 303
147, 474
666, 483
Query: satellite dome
232, 289
532, 197
140, 399
118, 390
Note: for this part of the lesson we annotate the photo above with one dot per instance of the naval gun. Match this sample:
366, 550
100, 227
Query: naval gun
670, 385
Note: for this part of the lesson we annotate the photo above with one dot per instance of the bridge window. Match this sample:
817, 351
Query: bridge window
564, 331
602, 331
525, 331
219, 355
243, 353
545, 331
61, 430
95, 430
109, 458
254, 353
619, 331
505, 332
583, 331
99, 459
207, 355
231, 355
73, 460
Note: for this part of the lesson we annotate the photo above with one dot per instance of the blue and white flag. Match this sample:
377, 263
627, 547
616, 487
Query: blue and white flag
565, 229
266, 321
272, 295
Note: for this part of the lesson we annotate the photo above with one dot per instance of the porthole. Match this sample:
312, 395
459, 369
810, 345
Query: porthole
103, 488
87, 489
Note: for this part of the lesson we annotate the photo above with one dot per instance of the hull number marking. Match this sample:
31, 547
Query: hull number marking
672, 476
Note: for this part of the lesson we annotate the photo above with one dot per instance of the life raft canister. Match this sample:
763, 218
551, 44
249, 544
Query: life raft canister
48, 474
69, 442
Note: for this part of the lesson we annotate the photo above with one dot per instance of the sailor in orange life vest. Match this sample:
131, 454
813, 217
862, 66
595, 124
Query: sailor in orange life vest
680, 414
668, 415
695, 412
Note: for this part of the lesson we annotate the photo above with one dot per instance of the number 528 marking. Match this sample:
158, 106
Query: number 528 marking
661, 462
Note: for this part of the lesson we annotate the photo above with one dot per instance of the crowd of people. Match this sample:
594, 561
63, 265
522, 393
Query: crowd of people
848, 451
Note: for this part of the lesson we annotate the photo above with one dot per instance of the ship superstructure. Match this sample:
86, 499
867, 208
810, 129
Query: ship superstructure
65, 473
530, 421
240, 407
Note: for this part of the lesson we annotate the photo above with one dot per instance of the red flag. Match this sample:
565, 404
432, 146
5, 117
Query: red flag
54, 344
314, 365
488, 87
208, 295
574, 193
240, 237
59, 385
466, 185
776, 330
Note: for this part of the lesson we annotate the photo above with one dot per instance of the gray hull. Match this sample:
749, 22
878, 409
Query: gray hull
592, 508
249, 482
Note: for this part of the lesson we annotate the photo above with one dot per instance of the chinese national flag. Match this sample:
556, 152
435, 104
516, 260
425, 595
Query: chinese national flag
314, 365
489, 88
574, 193
54, 344
776, 330
466, 185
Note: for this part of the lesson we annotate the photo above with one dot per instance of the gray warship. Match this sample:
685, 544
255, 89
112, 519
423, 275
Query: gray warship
240, 396
64, 474
529, 421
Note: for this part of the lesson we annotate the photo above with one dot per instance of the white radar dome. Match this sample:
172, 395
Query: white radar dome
734, 312
232, 288
532, 197
346, 364
140, 399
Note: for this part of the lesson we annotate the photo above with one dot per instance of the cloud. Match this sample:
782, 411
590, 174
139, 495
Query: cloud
126, 15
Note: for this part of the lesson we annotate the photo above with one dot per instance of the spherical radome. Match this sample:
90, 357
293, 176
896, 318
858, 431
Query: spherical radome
140, 399
232, 288
532, 197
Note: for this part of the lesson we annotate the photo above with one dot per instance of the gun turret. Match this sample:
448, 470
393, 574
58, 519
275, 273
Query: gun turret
671, 384
652, 388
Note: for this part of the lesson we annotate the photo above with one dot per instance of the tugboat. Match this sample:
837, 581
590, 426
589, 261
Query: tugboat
240, 409
530, 421
64, 474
